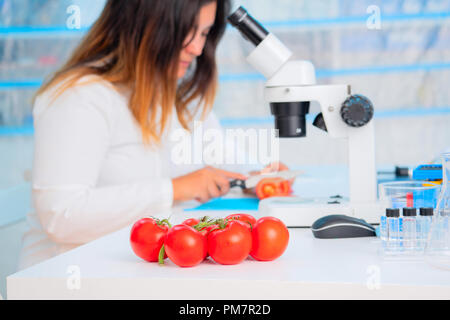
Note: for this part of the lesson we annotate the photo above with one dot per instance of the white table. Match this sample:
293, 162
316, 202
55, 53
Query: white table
309, 269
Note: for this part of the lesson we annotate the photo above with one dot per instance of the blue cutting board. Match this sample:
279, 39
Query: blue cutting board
228, 204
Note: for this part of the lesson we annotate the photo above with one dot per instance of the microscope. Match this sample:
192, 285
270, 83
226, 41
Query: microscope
290, 88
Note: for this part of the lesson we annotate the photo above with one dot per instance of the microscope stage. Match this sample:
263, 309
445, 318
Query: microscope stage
302, 212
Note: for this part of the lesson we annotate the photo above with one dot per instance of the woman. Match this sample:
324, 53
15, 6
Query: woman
102, 122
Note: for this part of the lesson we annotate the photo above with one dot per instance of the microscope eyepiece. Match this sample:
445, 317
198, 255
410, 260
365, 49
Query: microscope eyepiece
248, 26
236, 17
268, 58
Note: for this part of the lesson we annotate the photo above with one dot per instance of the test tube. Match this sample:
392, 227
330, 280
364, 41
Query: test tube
383, 229
445, 224
423, 226
393, 228
409, 228
409, 199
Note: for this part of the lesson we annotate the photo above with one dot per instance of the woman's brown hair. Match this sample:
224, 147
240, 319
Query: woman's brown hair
137, 43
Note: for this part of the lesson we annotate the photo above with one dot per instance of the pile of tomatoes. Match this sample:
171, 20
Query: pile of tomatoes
227, 241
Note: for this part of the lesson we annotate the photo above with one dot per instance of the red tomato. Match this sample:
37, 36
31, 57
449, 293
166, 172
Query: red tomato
230, 245
191, 222
206, 230
185, 246
147, 238
273, 187
248, 219
270, 238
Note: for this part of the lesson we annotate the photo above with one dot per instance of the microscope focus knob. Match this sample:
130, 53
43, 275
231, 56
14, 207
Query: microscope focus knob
357, 111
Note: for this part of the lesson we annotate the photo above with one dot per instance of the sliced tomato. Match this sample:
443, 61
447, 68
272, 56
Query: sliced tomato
273, 187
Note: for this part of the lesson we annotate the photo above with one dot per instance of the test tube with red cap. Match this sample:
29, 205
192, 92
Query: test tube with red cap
409, 200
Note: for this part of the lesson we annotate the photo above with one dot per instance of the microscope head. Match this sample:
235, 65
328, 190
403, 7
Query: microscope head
271, 58
291, 86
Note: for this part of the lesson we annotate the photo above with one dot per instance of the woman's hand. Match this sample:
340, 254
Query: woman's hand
204, 184
274, 167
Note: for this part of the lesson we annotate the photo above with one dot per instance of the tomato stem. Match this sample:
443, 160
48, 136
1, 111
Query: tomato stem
166, 221
162, 252
222, 223
204, 223
161, 222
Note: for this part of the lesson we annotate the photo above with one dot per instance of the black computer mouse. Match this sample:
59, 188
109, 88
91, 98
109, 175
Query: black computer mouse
341, 226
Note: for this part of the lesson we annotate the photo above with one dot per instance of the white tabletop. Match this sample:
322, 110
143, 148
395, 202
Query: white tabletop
309, 269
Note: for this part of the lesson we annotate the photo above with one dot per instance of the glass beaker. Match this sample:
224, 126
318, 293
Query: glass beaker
414, 194
437, 250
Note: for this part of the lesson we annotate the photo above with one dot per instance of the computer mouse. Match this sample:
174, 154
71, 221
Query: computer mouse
341, 226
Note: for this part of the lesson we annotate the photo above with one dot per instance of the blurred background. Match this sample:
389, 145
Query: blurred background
395, 52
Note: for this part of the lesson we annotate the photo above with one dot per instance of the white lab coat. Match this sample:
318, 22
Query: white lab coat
92, 174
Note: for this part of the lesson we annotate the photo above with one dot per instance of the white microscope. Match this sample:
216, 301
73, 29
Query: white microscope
290, 87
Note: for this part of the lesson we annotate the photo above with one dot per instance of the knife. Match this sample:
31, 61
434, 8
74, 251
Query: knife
252, 181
